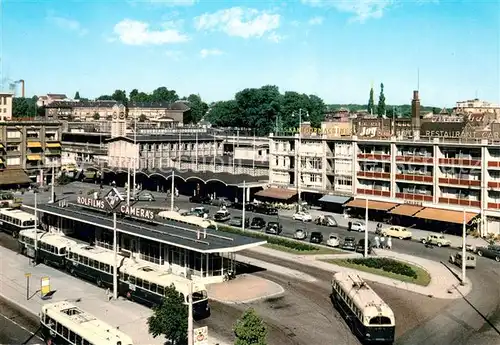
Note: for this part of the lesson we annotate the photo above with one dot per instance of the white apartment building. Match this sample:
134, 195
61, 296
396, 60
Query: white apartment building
6, 106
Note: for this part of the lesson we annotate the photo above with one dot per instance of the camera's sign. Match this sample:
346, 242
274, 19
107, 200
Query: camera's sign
102, 204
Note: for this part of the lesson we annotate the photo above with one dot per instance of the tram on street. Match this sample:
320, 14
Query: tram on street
13, 220
366, 314
63, 323
50, 249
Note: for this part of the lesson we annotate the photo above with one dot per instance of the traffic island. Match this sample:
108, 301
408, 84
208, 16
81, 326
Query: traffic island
386, 267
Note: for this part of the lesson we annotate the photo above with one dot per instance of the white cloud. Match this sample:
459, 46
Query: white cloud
171, 3
316, 21
173, 54
274, 37
67, 24
239, 22
137, 33
210, 52
362, 9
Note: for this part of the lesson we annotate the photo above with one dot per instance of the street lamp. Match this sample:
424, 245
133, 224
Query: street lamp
299, 160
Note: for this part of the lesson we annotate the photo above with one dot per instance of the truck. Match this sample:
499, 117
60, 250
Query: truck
436, 240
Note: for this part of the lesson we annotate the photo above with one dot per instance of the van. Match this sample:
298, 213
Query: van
457, 260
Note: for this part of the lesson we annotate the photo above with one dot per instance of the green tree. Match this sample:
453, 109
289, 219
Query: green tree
223, 114
170, 318
133, 95
164, 95
198, 109
435, 110
317, 111
291, 104
250, 329
143, 118
105, 98
381, 102
371, 103
120, 96
96, 116
77, 95
24, 107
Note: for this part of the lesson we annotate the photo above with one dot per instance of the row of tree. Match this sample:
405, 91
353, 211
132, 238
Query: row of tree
170, 319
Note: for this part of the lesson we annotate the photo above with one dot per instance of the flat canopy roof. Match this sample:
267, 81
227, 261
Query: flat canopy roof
443, 215
406, 210
182, 236
335, 199
277, 193
372, 204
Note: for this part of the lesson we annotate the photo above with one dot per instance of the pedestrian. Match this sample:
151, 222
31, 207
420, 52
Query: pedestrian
389, 243
377, 241
382, 242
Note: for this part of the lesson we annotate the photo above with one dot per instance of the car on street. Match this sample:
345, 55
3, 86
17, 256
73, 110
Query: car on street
327, 220
302, 216
144, 196
349, 243
222, 216
274, 228
238, 222
436, 240
300, 234
257, 223
356, 225
492, 251
316, 237
223, 201
397, 232
200, 211
469, 247
239, 206
360, 247
456, 259
265, 209
333, 240
200, 199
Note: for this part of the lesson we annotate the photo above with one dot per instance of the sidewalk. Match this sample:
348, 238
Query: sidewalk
456, 241
443, 283
129, 316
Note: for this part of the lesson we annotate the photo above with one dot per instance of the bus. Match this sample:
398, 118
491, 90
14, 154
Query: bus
13, 220
176, 217
366, 314
63, 323
51, 247
141, 283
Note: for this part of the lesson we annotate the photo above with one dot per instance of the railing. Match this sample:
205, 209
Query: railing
371, 174
460, 202
493, 184
415, 159
374, 156
374, 192
494, 205
152, 259
460, 182
414, 178
414, 197
460, 161
494, 164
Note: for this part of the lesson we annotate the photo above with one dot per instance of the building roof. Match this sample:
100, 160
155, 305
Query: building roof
57, 95
13, 177
183, 236
181, 106
173, 137
226, 160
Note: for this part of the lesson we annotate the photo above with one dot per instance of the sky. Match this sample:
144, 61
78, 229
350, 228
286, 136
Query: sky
336, 50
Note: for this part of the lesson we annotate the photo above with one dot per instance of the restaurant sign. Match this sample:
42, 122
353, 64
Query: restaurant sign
124, 209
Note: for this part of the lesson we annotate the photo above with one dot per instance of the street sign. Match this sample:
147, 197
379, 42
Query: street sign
201, 336
44, 286
113, 199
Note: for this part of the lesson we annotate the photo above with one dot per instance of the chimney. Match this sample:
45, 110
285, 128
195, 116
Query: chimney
415, 115
22, 88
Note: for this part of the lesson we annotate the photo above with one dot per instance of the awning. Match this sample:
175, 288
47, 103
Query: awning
406, 210
13, 177
34, 157
277, 193
335, 199
33, 144
372, 205
52, 145
1, 146
1, 161
449, 216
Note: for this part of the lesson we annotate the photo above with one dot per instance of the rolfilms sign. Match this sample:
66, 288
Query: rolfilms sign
124, 209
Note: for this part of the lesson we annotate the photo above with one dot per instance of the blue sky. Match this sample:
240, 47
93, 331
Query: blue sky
334, 49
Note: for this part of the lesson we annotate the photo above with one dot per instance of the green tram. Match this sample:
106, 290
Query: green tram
14, 220
51, 248
63, 323
366, 314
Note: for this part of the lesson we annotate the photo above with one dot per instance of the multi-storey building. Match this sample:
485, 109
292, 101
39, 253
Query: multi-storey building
6, 106
51, 98
83, 110
477, 106
158, 112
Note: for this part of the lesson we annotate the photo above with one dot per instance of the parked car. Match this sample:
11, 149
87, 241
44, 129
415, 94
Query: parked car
222, 216
327, 220
265, 209
316, 237
349, 243
300, 234
200, 199
302, 216
360, 247
333, 240
257, 223
398, 232
356, 225
222, 202
469, 247
457, 260
436, 240
274, 228
144, 196
492, 252
239, 206
238, 222
200, 211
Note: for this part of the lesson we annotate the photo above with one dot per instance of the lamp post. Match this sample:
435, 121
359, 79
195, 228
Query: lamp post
53, 192
172, 191
190, 314
115, 259
366, 229
244, 206
135, 156
299, 160
464, 253
35, 191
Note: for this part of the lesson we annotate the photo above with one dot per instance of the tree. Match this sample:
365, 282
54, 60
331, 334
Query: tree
132, 95
105, 98
24, 107
143, 118
435, 110
164, 95
381, 102
316, 110
198, 109
77, 95
223, 114
120, 96
96, 116
250, 329
170, 318
371, 102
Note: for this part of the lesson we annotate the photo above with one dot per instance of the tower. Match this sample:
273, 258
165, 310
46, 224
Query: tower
119, 122
415, 115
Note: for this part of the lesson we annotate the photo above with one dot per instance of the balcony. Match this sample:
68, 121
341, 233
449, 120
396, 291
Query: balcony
414, 178
460, 182
494, 164
494, 184
460, 161
415, 159
374, 192
460, 202
373, 174
52, 152
414, 197
375, 156
494, 205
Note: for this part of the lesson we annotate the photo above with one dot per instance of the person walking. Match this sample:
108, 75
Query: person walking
389, 243
382, 242
377, 242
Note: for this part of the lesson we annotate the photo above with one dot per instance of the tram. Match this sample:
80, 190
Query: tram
13, 220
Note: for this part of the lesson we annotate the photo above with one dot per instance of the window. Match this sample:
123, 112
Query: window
161, 290
85, 260
59, 328
13, 161
380, 320
65, 332
13, 134
72, 337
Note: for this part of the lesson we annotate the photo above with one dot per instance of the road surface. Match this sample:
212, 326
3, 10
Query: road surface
17, 326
